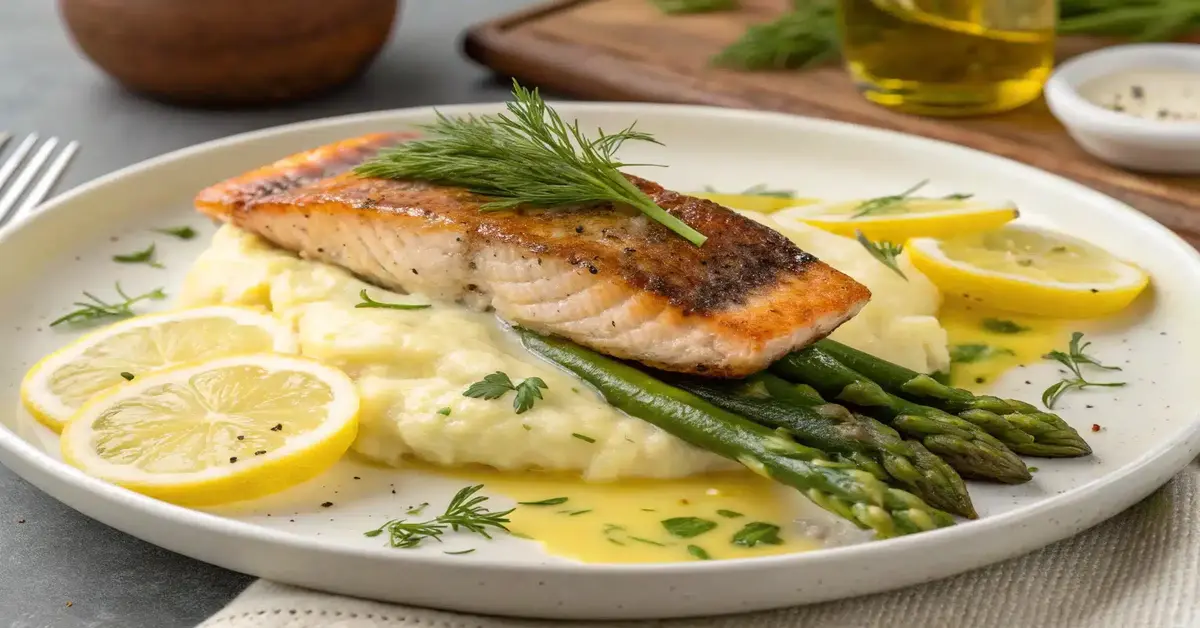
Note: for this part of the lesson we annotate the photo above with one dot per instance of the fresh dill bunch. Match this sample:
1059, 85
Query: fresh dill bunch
528, 157
1140, 20
463, 513
799, 38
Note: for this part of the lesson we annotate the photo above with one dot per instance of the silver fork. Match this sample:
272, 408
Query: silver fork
10, 211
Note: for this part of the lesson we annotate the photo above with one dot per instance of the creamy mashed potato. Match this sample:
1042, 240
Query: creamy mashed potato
411, 364
900, 323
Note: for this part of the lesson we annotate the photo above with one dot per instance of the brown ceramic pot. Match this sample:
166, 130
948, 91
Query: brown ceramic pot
230, 52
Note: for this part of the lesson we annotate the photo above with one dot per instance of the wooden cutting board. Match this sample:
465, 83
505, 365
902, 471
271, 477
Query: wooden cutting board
629, 50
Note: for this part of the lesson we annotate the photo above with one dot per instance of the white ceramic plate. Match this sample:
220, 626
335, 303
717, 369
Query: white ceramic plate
1149, 427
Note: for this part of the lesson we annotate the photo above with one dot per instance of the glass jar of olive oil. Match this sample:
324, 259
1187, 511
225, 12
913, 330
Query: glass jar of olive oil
949, 57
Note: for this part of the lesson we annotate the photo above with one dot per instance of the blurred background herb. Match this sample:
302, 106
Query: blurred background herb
807, 34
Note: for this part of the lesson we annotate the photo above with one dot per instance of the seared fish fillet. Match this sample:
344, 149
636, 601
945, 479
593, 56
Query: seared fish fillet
610, 279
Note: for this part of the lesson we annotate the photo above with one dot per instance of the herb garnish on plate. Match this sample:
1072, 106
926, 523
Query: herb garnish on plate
183, 233
144, 256
464, 512
98, 308
528, 157
895, 202
759, 189
883, 251
495, 385
756, 533
368, 302
1003, 326
1074, 360
688, 527
970, 353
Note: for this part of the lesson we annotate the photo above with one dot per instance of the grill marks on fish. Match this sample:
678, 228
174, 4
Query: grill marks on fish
604, 276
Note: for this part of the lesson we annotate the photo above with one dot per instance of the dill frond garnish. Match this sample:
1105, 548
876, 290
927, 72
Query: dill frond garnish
96, 308
527, 157
463, 513
1074, 359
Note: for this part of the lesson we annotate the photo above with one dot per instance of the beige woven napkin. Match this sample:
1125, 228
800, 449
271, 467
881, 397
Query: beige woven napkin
1142, 568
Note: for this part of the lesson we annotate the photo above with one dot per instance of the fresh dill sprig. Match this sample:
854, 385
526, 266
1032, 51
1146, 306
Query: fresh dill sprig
760, 189
496, 384
527, 157
97, 308
1074, 359
884, 251
895, 202
368, 302
886, 204
464, 512
144, 256
681, 7
799, 38
183, 233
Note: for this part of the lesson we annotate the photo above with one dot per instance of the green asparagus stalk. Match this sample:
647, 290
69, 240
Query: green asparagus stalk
1025, 429
866, 443
968, 448
841, 489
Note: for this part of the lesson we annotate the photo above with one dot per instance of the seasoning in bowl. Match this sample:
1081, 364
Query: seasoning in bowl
1151, 94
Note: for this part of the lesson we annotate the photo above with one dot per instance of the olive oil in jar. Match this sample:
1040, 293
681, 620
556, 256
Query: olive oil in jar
949, 57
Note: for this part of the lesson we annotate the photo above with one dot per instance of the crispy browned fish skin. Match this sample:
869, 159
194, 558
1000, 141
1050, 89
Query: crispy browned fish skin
609, 279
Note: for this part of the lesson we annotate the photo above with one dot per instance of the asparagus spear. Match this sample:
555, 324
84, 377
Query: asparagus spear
1025, 429
838, 487
968, 448
868, 444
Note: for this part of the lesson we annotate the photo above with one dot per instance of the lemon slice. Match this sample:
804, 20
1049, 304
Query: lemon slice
900, 219
57, 385
217, 431
762, 203
1034, 271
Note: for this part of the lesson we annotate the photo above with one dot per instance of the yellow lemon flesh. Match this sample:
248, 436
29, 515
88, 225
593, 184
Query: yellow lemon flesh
900, 219
1028, 270
217, 431
61, 382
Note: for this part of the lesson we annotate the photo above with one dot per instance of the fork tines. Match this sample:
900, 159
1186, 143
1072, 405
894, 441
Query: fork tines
13, 188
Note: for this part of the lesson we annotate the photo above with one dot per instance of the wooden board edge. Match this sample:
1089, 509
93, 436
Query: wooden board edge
482, 40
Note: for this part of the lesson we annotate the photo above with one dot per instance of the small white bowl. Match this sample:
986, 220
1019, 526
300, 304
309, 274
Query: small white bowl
1120, 139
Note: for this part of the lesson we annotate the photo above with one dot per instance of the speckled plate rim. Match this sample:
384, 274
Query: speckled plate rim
244, 547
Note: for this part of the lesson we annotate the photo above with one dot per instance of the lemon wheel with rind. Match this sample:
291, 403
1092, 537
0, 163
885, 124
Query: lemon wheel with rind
901, 220
217, 431
61, 382
1031, 271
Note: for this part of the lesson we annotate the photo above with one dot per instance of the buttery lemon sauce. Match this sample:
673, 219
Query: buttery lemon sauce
969, 327
622, 522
